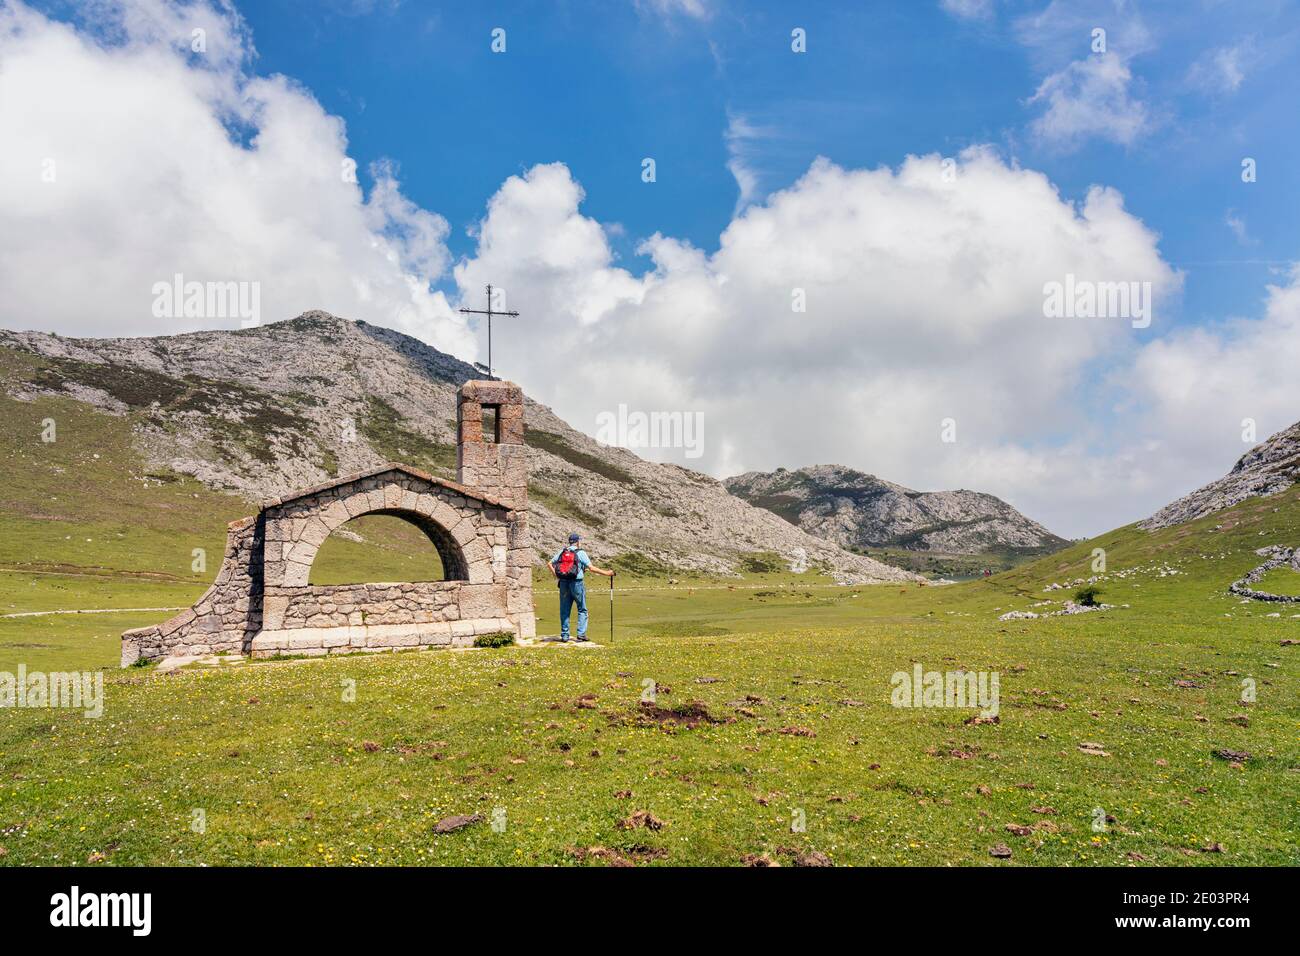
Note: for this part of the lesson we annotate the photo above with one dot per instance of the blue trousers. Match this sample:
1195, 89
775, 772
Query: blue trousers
571, 593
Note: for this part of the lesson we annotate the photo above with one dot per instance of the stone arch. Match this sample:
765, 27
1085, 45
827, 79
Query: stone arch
450, 550
300, 526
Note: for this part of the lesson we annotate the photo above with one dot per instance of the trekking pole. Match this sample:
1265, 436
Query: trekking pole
611, 610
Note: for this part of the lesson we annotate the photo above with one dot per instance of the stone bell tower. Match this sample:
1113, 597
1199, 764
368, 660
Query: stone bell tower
490, 452
491, 458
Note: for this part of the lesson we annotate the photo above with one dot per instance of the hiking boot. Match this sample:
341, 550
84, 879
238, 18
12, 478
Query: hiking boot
583, 639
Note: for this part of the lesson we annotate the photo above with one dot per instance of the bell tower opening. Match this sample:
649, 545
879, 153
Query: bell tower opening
492, 424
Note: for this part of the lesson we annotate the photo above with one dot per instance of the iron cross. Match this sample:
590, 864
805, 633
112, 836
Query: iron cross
489, 313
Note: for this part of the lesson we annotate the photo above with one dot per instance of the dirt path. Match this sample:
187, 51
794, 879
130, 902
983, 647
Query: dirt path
754, 587
670, 587
91, 610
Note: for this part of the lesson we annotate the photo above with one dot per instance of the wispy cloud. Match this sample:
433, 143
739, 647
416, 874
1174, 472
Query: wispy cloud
1238, 227
969, 9
1094, 94
1063, 31
741, 138
1223, 69
695, 9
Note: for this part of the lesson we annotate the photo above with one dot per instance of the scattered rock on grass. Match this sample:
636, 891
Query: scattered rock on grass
1236, 756
449, 824
1019, 616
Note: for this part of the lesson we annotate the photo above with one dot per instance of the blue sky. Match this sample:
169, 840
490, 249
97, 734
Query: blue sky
917, 176
600, 86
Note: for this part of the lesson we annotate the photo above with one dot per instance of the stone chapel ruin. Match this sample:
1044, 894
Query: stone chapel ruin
262, 605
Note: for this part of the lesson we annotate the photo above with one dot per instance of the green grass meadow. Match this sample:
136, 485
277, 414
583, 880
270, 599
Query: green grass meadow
794, 745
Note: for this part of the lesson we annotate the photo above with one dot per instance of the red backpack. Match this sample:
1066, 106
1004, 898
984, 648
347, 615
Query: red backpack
566, 566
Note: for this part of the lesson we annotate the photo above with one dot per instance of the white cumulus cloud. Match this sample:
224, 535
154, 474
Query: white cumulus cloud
924, 301
131, 156
1089, 98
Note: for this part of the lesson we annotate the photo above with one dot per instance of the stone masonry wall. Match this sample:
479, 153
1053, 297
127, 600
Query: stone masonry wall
224, 619
419, 602
343, 618
1278, 557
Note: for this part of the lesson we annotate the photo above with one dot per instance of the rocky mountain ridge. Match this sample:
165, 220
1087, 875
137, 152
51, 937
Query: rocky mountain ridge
857, 510
260, 412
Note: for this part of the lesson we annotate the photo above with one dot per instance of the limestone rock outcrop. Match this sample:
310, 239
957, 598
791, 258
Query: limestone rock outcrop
1267, 469
857, 510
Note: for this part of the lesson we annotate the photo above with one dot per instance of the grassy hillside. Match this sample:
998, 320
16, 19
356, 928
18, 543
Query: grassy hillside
942, 565
1207, 554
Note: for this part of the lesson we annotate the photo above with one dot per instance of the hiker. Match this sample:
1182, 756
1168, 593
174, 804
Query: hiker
567, 567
